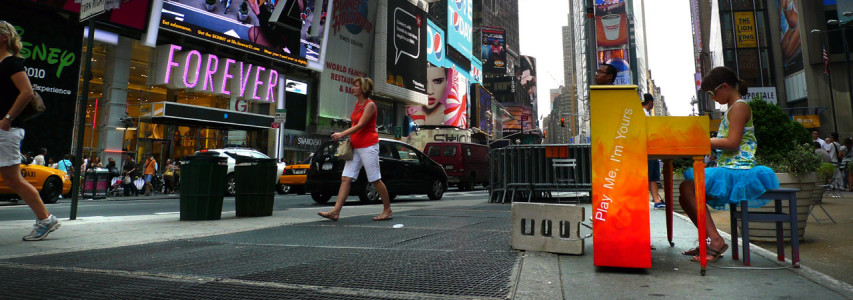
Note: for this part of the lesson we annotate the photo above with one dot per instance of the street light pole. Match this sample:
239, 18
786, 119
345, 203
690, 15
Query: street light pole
829, 80
846, 54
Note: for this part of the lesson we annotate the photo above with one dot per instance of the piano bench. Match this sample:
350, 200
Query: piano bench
778, 217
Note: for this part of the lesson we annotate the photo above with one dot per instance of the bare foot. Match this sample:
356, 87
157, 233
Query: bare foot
384, 216
329, 215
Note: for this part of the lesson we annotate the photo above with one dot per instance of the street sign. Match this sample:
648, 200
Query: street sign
280, 115
276, 125
92, 8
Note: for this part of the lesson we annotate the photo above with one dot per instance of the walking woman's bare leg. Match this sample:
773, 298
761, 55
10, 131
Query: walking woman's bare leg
343, 193
12, 178
386, 200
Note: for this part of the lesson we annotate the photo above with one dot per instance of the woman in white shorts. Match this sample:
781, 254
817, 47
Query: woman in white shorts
15, 92
365, 144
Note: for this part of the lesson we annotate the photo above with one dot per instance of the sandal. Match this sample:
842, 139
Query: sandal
383, 217
692, 252
329, 215
716, 254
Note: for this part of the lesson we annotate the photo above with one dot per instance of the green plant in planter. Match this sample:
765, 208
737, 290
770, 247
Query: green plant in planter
783, 144
825, 172
681, 164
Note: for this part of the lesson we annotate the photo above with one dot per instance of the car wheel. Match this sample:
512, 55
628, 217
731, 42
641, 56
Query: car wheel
369, 195
320, 198
282, 189
230, 185
436, 190
392, 196
51, 190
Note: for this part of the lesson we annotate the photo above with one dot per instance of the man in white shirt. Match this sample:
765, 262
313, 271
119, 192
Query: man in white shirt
39, 159
816, 137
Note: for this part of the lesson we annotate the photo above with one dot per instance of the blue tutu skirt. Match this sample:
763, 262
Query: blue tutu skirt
724, 186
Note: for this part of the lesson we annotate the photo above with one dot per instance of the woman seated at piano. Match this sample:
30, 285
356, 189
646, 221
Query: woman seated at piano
736, 176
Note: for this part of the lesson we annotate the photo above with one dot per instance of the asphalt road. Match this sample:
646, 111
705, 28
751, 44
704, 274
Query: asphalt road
156, 205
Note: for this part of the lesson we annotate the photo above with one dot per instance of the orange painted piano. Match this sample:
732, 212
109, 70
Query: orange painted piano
623, 140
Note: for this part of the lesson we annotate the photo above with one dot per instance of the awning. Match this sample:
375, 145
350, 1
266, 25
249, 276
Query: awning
193, 115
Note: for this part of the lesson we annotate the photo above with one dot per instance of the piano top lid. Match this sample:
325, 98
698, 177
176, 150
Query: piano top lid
613, 87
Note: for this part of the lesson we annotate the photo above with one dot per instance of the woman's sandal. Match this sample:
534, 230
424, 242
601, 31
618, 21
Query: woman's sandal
691, 252
383, 217
328, 215
716, 254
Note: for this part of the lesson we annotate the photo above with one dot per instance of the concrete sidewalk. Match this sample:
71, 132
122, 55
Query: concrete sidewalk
536, 275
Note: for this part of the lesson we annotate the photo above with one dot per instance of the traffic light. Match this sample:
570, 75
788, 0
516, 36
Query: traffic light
562, 122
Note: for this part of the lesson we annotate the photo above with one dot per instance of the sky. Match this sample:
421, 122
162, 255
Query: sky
669, 40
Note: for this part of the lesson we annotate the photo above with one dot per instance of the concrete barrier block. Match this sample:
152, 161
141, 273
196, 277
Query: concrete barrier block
547, 227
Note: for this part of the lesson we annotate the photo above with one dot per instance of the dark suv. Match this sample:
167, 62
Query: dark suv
405, 170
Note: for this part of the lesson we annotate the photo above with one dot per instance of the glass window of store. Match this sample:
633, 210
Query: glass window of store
127, 118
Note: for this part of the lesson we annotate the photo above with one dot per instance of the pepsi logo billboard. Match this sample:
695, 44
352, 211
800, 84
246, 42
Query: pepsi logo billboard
435, 45
459, 29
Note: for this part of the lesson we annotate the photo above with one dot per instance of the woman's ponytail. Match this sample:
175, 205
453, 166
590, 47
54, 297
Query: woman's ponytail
742, 87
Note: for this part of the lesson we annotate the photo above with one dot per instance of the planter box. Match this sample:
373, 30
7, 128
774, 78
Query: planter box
766, 231
677, 179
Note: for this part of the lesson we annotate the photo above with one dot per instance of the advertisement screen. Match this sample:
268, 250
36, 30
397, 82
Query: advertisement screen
407, 28
52, 62
245, 26
459, 15
745, 29
485, 110
521, 120
447, 92
611, 24
348, 52
528, 78
435, 45
493, 50
792, 52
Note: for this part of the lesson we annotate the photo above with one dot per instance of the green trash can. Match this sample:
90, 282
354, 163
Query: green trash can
202, 187
255, 186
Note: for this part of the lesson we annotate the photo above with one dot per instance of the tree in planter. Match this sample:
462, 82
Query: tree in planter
777, 135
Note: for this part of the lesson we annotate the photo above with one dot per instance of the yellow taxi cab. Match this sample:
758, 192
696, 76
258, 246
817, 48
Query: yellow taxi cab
49, 182
293, 178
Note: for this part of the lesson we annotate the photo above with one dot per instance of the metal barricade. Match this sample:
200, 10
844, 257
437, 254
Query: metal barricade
540, 172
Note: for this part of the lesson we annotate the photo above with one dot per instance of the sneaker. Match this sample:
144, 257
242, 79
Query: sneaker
42, 228
660, 205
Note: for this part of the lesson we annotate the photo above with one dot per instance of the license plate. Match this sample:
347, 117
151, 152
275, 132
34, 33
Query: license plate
326, 166
302, 171
448, 167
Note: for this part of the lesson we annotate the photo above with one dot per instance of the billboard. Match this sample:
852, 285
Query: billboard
459, 15
792, 52
435, 45
611, 36
245, 27
447, 104
493, 50
521, 120
745, 29
405, 53
484, 106
131, 14
348, 50
52, 62
528, 78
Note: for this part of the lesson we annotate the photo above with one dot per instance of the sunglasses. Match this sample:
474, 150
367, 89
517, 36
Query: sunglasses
712, 93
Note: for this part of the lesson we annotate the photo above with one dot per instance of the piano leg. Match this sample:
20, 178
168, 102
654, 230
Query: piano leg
667, 171
699, 183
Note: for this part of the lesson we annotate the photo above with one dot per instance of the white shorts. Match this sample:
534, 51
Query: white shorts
367, 157
10, 146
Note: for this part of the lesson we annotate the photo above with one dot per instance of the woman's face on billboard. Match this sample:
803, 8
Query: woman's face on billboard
436, 85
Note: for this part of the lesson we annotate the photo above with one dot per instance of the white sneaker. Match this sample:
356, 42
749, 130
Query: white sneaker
42, 228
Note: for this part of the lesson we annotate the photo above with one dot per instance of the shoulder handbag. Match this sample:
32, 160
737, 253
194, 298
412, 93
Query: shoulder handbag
34, 108
344, 150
